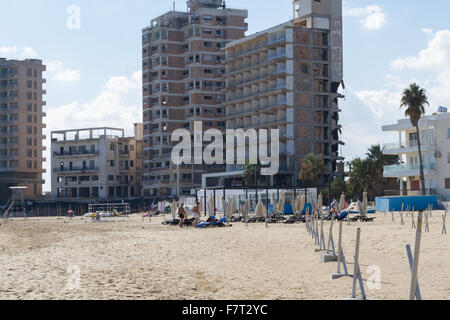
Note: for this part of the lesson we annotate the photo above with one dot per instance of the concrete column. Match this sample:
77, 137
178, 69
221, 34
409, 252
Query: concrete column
401, 186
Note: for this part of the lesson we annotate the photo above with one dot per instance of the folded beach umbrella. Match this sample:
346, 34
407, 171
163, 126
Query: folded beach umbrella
200, 206
342, 202
320, 204
245, 209
272, 200
365, 202
361, 209
295, 206
174, 209
301, 204
260, 210
313, 205
280, 205
233, 206
211, 206
225, 205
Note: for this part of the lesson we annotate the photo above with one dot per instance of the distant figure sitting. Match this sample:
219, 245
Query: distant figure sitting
181, 214
196, 213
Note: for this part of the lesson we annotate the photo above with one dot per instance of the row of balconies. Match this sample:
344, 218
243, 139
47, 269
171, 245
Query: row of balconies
76, 169
255, 108
260, 92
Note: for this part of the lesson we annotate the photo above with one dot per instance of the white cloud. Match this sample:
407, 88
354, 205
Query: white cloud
118, 105
371, 17
435, 57
427, 31
361, 128
16, 52
58, 73
380, 102
67, 76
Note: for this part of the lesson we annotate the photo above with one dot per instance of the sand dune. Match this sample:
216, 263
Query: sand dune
127, 259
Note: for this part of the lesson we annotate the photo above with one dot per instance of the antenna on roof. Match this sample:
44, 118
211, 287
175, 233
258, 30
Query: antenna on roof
174, 6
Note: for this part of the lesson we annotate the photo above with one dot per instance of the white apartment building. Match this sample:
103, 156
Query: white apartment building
435, 142
96, 163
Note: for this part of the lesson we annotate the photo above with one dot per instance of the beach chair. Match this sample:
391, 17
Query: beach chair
342, 216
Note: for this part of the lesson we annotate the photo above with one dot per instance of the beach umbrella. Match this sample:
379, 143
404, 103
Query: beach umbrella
260, 210
295, 206
360, 207
245, 209
301, 204
342, 202
365, 202
320, 203
280, 205
233, 206
272, 200
174, 209
225, 204
313, 205
200, 206
211, 206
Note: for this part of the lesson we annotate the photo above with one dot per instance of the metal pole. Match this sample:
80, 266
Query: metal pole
214, 209
340, 247
356, 266
412, 292
205, 202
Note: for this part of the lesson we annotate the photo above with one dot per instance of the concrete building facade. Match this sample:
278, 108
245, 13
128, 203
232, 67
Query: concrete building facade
96, 163
434, 135
287, 78
182, 83
21, 125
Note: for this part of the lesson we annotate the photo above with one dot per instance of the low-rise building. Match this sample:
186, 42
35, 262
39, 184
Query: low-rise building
96, 163
434, 135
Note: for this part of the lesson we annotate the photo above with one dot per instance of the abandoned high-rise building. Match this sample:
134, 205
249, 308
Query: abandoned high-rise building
21, 125
287, 78
182, 82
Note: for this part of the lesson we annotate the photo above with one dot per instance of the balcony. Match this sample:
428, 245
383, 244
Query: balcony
408, 170
75, 153
410, 146
75, 169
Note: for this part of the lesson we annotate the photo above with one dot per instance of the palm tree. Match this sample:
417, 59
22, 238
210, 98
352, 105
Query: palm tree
414, 100
312, 168
375, 154
252, 174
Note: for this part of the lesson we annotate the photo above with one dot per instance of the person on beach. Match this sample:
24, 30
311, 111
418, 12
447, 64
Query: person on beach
181, 214
196, 213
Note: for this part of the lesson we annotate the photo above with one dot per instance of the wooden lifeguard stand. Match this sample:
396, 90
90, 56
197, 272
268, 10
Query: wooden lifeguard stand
16, 204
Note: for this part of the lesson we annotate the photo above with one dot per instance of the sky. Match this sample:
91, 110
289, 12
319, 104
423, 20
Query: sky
94, 62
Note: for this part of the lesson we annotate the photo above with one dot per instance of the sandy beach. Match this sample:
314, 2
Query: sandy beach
125, 258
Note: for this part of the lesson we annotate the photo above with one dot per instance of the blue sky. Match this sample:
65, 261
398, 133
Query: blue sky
93, 76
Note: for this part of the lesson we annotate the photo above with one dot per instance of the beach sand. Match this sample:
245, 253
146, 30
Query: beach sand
125, 258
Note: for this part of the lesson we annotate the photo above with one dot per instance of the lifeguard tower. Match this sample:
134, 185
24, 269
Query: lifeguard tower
15, 207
